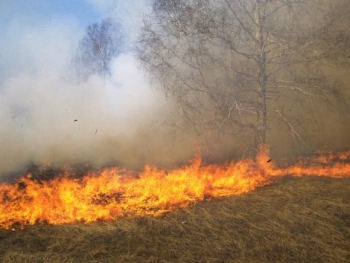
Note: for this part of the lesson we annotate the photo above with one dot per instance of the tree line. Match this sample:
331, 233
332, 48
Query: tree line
240, 68
246, 67
99, 45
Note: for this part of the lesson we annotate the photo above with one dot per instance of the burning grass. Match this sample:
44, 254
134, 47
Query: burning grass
110, 194
304, 219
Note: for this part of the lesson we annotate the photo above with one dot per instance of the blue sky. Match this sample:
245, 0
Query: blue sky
32, 30
41, 11
76, 14
84, 12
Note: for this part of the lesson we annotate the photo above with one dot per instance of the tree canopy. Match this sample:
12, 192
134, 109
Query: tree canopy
247, 68
100, 44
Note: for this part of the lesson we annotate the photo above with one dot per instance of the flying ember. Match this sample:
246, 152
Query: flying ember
111, 193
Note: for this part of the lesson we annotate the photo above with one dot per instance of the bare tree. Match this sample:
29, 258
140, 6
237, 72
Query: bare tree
101, 43
245, 67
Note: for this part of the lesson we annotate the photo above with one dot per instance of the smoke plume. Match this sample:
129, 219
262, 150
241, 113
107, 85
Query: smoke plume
47, 118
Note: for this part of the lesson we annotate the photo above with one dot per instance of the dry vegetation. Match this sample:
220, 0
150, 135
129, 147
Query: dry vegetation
294, 220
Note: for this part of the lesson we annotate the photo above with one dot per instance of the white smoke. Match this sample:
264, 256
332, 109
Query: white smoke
128, 13
46, 118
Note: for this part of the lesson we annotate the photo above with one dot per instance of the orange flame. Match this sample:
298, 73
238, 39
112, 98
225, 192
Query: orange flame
110, 193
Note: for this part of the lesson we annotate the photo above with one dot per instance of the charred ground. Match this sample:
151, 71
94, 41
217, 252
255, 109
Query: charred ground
293, 220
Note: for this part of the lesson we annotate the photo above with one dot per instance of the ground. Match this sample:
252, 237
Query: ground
293, 220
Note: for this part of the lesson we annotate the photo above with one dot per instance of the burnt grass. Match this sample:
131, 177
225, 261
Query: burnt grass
293, 220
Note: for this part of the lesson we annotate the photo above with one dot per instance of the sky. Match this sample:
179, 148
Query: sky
79, 12
41, 11
44, 117
83, 12
63, 22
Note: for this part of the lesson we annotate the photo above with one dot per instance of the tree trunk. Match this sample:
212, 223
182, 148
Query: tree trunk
261, 75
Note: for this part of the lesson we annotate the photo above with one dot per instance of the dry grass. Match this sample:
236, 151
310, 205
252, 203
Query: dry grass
293, 220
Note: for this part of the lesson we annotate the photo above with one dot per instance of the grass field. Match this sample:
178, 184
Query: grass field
303, 219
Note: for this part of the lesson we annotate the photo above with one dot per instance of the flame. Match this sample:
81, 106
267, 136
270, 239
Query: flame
112, 193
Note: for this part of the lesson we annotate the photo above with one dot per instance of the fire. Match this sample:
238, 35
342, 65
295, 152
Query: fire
112, 193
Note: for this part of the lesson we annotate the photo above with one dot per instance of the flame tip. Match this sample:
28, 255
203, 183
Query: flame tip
112, 193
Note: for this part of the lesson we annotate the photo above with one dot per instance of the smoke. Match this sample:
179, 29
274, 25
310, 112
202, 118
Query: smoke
45, 118
128, 13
